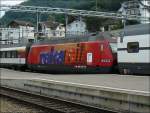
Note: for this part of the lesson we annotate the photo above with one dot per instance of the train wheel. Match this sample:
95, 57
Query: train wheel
121, 71
124, 71
22, 68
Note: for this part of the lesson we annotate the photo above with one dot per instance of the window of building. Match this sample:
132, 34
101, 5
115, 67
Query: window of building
133, 47
60, 33
54, 33
76, 25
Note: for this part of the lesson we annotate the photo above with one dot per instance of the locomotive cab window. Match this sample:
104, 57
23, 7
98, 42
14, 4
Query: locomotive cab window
133, 47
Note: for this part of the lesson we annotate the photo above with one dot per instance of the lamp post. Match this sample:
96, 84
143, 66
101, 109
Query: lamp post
66, 22
96, 4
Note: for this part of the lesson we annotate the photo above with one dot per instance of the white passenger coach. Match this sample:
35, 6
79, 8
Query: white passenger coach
134, 50
13, 57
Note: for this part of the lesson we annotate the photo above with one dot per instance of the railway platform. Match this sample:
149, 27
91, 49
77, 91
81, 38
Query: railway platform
121, 93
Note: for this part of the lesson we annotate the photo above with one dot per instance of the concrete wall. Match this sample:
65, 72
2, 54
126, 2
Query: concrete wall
110, 99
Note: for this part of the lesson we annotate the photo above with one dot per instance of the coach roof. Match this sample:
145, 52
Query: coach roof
139, 29
12, 48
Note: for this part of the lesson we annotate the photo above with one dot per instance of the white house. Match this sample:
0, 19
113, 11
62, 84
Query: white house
77, 27
137, 7
51, 29
17, 32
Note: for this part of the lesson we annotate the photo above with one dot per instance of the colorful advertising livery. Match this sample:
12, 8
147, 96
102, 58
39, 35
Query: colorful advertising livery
91, 57
52, 57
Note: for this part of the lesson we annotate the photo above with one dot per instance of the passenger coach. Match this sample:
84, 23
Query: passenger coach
134, 50
13, 57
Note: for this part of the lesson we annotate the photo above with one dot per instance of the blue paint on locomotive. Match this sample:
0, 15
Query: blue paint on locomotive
52, 57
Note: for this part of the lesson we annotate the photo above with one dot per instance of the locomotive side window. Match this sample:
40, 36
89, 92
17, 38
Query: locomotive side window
133, 47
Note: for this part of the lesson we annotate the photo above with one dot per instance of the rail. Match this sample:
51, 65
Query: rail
56, 105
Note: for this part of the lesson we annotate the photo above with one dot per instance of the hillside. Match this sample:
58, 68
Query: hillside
102, 5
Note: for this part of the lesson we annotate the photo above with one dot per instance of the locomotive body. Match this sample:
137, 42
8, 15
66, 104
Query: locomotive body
83, 57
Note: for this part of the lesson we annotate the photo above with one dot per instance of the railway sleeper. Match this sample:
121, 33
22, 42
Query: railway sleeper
54, 104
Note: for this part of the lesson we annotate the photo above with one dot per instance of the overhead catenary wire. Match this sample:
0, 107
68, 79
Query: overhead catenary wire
75, 12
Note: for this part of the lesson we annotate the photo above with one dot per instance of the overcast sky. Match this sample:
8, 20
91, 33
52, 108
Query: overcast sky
9, 2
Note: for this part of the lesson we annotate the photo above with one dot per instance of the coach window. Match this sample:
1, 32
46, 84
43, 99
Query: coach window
8, 54
16, 54
3, 54
13, 54
0, 54
133, 47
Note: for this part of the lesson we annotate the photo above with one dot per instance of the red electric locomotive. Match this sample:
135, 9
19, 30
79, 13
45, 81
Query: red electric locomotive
83, 57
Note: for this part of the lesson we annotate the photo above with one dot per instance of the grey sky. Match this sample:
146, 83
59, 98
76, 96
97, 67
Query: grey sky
9, 2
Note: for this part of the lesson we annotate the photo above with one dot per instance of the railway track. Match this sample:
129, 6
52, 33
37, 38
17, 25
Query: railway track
52, 104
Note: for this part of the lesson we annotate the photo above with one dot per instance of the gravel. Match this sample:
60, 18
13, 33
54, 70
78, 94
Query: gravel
8, 105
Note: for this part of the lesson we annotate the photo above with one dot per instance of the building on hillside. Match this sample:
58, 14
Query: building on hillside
137, 7
17, 32
77, 27
50, 29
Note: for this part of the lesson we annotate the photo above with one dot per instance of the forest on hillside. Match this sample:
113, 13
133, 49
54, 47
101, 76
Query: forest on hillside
93, 24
